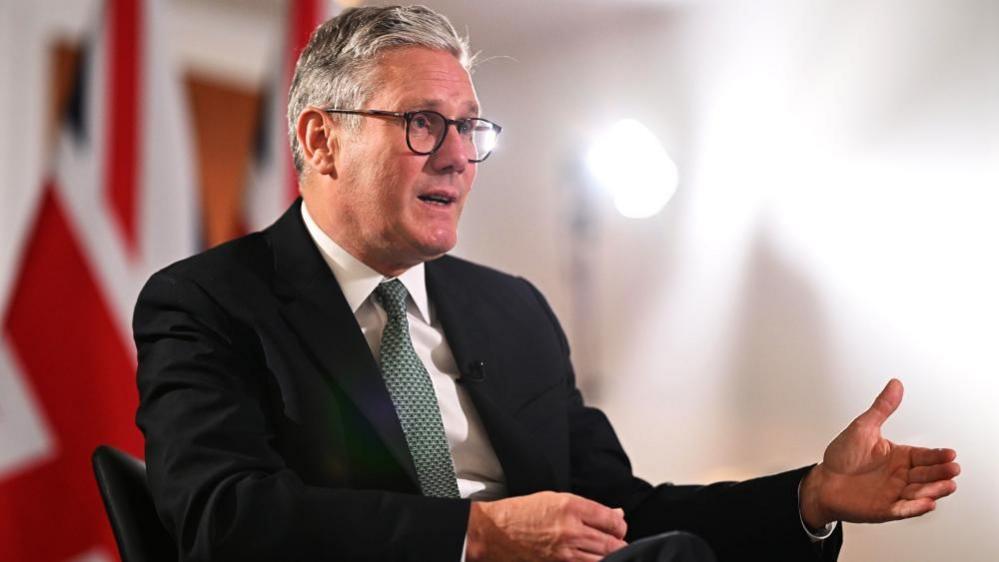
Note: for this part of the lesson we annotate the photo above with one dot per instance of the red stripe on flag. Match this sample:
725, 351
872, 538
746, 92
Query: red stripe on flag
305, 16
123, 150
79, 367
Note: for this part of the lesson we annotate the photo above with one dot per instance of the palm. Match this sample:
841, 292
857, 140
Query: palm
870, 479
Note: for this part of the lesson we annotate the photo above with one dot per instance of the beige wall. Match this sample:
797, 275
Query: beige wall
834, 227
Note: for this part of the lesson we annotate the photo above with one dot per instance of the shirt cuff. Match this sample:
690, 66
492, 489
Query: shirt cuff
464, 545
814, 535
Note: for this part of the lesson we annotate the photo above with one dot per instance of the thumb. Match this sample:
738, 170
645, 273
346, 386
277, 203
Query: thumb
884, 405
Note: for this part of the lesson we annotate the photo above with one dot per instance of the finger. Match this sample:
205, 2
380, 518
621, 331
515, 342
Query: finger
580, 556
922, 456
903, 509
596, 542
924, 474
884, 405
933, 490
602, 518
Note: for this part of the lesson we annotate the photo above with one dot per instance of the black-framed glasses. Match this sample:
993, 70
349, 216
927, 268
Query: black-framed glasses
427, 129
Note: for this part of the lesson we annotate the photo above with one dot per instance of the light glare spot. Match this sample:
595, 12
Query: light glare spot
632, 165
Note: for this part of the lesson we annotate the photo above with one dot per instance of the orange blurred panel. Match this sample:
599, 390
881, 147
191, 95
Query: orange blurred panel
224, 123
64, 59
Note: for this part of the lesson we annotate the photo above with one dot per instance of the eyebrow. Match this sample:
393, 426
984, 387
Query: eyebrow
427, 103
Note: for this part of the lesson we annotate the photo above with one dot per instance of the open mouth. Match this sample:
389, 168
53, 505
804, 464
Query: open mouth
437, 199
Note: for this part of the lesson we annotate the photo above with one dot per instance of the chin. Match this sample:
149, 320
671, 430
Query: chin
439, 245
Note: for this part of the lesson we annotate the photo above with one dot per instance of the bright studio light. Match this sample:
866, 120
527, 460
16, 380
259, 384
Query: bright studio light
632, 165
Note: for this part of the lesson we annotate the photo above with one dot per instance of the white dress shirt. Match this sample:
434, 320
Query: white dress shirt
480, 476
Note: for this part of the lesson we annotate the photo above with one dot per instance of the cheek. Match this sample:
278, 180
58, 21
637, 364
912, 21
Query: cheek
386, 194
469, 181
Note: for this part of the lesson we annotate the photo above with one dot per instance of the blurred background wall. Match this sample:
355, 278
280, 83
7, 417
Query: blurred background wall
834, 222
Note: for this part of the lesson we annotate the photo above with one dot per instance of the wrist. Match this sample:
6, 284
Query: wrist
810, 503
475, 545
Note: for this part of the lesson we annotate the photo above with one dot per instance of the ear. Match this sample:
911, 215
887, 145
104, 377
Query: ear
318, 140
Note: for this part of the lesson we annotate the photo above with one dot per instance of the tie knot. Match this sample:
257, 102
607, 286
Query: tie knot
392, 296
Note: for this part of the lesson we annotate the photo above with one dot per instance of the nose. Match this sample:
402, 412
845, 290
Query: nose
453, 154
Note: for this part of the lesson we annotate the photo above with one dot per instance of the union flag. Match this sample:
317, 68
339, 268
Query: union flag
117, 203
118, 200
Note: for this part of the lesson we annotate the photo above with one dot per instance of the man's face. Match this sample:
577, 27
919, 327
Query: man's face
400, 208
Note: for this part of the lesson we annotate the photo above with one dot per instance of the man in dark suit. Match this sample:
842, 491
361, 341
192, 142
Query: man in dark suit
335, 387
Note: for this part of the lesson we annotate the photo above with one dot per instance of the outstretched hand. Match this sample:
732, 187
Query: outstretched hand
865, 478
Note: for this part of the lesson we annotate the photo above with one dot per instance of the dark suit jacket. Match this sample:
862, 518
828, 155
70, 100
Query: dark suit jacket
270, 434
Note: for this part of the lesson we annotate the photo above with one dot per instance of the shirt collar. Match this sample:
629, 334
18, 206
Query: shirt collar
356, 279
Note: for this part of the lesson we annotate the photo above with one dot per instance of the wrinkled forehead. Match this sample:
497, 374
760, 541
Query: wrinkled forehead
423, 78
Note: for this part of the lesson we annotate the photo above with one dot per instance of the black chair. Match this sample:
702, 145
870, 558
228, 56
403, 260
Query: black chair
140, 535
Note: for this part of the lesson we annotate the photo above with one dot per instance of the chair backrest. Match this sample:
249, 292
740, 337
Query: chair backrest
140, 534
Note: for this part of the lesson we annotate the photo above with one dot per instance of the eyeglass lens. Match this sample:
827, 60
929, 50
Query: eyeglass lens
426, 131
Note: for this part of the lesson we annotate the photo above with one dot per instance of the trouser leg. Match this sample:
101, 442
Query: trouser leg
675, 546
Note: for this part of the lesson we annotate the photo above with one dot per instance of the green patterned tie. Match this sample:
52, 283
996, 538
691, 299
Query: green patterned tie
413, 396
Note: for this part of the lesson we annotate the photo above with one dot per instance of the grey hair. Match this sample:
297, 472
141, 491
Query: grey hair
337, 65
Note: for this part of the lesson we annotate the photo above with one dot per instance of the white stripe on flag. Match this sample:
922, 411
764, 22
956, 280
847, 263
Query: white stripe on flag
25, 438
268, 192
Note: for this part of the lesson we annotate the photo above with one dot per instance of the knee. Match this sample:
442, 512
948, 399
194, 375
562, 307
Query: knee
684, 537
684, 546
674, 546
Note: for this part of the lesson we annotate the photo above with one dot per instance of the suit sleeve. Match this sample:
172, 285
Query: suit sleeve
756, 519
219, 486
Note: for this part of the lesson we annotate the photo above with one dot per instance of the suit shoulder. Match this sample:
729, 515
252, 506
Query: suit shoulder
235, 259
491, 285
474, 272
508, 296
221, 283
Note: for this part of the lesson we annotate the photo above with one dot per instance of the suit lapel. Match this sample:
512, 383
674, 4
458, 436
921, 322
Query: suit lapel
316, 310
525, 464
